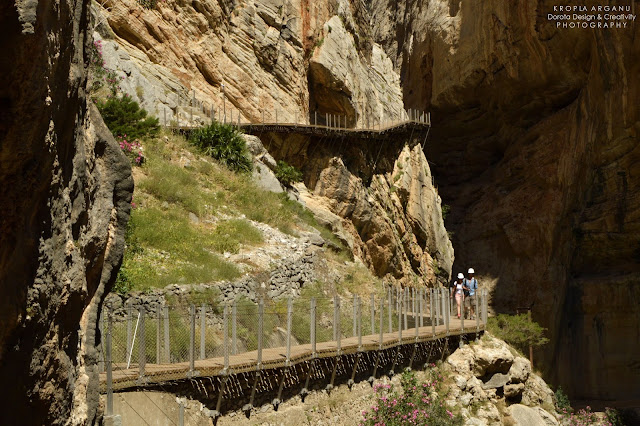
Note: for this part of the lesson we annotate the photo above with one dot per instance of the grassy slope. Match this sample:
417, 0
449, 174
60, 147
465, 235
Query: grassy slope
166, 246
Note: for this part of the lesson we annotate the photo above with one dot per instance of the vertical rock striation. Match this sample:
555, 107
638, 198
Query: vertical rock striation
536, 144
65, 193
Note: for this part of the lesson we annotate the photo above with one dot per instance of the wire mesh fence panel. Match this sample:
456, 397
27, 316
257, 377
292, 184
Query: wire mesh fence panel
189, 333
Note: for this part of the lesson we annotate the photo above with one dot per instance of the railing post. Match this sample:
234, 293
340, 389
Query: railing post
421, 307
462, 315
315, 117
158, 335
203, 336
486, 306
399, 306
142, 353
313, 327
225, 327
289, 317
477, 295
359, 324
234, 328
108, 366
381, 323
433, 317
355, 315
129, 330
192, 338
405, 302
335, 318
260, 332
181, 413
339, 332
390, 314
447, 310
373, 314
167, 348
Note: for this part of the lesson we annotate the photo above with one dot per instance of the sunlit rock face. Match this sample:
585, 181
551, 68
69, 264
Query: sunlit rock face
65, 193
535, 148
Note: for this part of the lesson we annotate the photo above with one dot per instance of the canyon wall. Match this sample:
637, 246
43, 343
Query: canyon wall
65, 193
378, 197
535, 149
293, 61
533, 146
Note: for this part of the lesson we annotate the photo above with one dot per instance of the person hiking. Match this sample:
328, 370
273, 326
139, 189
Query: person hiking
470, 285
457, 290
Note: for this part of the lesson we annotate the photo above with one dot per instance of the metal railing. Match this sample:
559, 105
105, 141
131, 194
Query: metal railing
220, 339
196, 113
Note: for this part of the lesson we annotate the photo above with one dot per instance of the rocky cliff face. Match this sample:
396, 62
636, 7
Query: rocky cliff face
300, 60
534, 140
296, 59
388, 212
65, 191
535, 146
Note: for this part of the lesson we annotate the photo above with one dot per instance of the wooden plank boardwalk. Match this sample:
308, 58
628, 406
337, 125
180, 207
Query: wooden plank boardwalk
375, 132
275, 358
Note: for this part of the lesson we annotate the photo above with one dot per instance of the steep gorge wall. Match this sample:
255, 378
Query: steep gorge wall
535, 146
65, 193
378, 197
304, 60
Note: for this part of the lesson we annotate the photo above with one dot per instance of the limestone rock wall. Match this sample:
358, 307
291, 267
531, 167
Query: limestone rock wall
379, 198
535, 144
294, 58
65, 192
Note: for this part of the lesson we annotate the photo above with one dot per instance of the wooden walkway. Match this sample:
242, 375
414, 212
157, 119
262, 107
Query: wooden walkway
376, 132
274, 358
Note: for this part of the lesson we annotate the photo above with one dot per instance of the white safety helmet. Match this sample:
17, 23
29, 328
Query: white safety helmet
461, 275
471, 271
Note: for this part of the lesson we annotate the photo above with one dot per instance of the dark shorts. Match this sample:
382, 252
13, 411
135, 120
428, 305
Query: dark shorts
470, 301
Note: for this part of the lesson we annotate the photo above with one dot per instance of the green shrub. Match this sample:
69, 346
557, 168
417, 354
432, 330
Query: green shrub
562, 400
445, 210
287, 174
224, 143
124, 117
416, 404
517, 330
613, 417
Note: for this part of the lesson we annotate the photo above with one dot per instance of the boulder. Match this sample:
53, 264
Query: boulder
537, 392
520, 370
549, 420
496, 381
512, 391
525, 416
265, 178
492, 357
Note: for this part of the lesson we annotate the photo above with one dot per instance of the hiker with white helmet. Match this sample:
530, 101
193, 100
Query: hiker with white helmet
470, 285
457, 290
